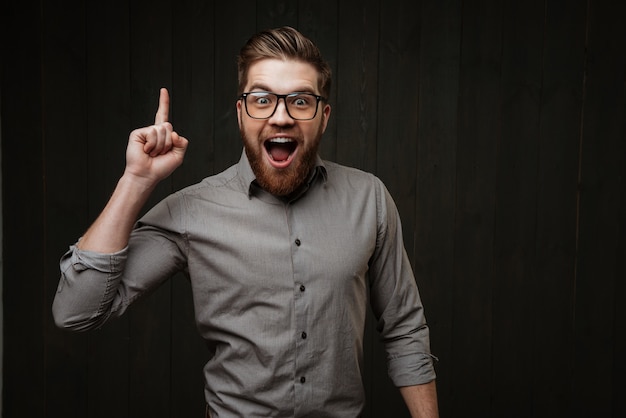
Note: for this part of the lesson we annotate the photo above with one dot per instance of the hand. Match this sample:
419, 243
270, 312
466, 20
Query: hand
154, 152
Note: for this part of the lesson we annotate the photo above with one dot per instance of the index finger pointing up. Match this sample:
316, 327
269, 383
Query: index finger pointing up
162, 114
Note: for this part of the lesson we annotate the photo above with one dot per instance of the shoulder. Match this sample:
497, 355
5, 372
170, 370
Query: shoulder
217, 183
353, 178
340, 171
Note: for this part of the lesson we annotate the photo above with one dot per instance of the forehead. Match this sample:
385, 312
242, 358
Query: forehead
282, 76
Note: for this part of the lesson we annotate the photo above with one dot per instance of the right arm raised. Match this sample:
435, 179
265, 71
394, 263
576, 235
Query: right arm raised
92, 284
153, 153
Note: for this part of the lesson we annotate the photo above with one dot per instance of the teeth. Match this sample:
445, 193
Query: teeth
281, 140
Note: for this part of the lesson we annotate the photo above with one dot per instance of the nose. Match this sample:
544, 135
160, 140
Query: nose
281, 114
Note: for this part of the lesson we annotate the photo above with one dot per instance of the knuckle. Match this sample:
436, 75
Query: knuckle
156, 131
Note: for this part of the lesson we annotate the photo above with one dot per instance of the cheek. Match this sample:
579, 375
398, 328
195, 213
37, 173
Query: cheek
250, 130
248, 125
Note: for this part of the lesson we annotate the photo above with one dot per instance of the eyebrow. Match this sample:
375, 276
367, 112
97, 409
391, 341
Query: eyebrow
263, 87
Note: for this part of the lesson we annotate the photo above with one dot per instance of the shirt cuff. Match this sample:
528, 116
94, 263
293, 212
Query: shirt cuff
106, 263
416, 369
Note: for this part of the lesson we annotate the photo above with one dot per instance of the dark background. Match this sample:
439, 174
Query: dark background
498, 126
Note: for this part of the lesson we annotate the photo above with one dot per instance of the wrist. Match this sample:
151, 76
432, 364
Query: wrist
136, 184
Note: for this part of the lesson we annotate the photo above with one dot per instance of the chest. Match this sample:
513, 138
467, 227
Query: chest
268, 248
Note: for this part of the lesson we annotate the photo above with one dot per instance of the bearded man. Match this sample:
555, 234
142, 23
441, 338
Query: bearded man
282, 250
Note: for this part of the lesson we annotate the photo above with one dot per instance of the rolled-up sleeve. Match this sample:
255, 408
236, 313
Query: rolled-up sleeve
95, 287
87, 288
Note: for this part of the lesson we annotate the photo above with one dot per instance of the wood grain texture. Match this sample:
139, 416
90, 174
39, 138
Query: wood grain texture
498, 127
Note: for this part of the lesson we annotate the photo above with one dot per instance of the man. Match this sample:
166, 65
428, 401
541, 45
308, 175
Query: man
281, 250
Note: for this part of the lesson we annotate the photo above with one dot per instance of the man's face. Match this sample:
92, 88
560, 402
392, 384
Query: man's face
282, 150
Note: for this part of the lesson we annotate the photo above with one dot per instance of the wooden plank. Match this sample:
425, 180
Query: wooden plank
192, 100
64, 129
479, 134
149, 319
439, 71
193, 88
398, 92
23, 210
275, 13
516, 191
108, 126
619, 333
557, 177
234, 24
354, 109
355, 82
398, 107
318, 21
603, 156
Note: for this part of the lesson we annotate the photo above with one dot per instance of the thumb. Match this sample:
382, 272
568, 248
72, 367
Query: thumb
179, 143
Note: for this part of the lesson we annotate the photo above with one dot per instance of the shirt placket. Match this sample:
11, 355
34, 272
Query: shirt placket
302, 293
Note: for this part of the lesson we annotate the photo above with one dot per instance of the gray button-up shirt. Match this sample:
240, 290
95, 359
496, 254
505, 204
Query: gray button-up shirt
280, 288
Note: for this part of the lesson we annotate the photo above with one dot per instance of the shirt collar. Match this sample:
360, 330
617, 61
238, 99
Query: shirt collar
247, 177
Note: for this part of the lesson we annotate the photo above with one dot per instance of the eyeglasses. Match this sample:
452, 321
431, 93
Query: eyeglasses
263, 104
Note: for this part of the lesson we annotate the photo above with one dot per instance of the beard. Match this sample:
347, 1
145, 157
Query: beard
285, 181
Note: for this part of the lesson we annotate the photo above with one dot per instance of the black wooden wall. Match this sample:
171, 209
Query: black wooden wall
498, 126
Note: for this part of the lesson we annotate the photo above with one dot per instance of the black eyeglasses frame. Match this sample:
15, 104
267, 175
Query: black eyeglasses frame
318, 98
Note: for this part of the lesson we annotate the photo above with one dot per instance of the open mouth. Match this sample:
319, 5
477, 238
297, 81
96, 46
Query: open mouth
280, 151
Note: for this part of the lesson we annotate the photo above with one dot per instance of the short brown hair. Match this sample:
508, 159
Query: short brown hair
283, 43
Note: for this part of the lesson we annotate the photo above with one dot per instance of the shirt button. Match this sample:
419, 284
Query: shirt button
298, 242
302, 379
304, 335
302, 288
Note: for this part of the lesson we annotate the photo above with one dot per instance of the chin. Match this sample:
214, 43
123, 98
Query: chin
286, 180
281, 181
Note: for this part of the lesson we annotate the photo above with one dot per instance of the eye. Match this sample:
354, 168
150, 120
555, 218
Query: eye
301, 100
261, 99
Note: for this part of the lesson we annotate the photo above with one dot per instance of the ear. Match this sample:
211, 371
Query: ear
325, 117
238, 106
